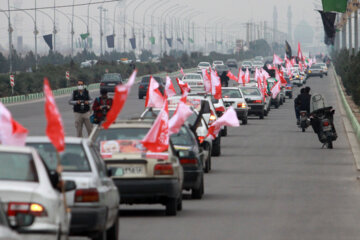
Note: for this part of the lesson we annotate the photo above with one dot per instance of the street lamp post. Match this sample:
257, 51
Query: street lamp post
145, 14
133, 28
35, 36
10, 38
171, 33
101, 31
72, 30
54, 27
160, 23
105, 25
152, 22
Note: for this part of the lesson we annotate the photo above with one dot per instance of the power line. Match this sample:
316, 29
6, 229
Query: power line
60, 6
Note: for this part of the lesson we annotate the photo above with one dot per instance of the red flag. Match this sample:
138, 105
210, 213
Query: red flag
241, 77
12, 133
300, 54
301, 67
169, 87
269, 67
229, 118
247, 75
157, 139
182, 71
279, 76
277, 60
232, 77
121, 94
275, 90
207, 81
182, 113
215, 85
154, 98
54, 128
184, 87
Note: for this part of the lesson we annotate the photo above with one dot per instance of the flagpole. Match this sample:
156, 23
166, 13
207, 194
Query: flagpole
10, 37
59, 170
35, 36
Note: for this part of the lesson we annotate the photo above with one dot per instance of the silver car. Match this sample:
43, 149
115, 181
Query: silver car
30, 193
94, 203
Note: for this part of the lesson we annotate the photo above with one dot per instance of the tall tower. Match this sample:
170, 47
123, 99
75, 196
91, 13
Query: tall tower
275, 23
289, 24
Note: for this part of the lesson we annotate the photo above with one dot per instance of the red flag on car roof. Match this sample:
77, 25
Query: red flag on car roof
247, 75
300, 54
184, 87
207, 81
55, 127
275, 90
181, 114
215, 85
241, 77
169, 87
232, 76
154, 98
277, 60
12, 133
121, 94
157, 139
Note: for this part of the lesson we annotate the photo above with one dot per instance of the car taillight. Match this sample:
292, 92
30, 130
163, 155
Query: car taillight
34, 209
303, 113
102, 84
141, 86
258, 101
163, 169
220, 109
212, 119
87, 195
188, 161
201, 139
289, 88
200, 84
241, 105
326, 123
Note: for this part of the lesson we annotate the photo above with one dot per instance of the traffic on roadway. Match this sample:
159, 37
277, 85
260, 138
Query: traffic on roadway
248, 149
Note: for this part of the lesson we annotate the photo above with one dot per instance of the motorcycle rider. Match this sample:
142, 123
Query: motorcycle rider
81, 101
224, 79
297, 105
101, 106
305, 100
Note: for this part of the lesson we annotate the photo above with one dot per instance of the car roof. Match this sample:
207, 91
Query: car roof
16, 149
139, 123
44, 139
230, 88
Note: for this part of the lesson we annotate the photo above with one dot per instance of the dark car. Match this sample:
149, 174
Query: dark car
191, 158
110, 80
144, 84
232, 63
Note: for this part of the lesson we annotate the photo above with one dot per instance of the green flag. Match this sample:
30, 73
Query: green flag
334, 5
219, 42
84, 36
191, 40
152, 40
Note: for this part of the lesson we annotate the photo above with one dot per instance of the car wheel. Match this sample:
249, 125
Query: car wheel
290, 96
224, 132
277, 104
207, 166
244, 121
179, 203
113, 232
266, 113
283, 99
100, 236
141, 96
261, 116
199, 192
321, 76
216, 149
171, 207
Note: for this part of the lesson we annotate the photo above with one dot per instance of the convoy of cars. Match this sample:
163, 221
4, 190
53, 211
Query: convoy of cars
112, 167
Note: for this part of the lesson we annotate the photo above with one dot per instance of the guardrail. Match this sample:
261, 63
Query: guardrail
67, 91
354, 122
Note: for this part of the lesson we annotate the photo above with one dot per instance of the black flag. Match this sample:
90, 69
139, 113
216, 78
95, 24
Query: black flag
288, 49
180, 41
169, 41
328, 19
48, 40
133, 42
110, 41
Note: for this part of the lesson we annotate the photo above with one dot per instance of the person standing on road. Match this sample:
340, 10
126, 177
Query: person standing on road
101, 106
297, 105
81, 102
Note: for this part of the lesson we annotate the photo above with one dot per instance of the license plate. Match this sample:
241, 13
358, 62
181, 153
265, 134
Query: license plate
327, 128
129, 171
111, 84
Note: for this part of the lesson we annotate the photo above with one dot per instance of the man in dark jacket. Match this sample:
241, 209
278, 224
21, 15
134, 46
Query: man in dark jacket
305, 100
224, 79
297, 105
81, 102
101, 106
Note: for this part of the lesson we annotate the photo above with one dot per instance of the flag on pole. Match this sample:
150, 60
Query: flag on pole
154, 98
48, 40
215, 85
334, 5
229, 118
152, 40
182, 113
133, 43
328, 19
110, 41
169, 88
277, 60
55, 127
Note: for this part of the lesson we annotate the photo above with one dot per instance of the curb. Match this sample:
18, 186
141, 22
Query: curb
354, 122
66, 91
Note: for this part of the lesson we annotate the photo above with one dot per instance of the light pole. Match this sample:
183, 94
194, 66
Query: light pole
114, 24
10, 38
170, 30
136, 7
145, 14
160, 23
72, 30
88, 16
54, 27
124, 35
105, 25
101, 31
152, 22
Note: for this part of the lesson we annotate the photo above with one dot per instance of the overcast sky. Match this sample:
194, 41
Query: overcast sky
232, 12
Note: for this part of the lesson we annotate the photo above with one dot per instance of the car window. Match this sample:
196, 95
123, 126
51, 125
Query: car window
250, 91
73, 159
192, 76
100, 165
121, 134
111, 78
204, 64
231, 93
182, 138
17, 167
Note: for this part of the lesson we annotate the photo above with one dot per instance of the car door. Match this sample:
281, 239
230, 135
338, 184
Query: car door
107, 187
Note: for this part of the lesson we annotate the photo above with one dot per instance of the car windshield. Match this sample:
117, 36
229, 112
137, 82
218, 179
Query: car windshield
192, 76
251, 91
315, 66
153, 114
111, 78
221, 68
322, 64
147, 79
258, 63
231, 93
122, 134
218, 62
246, 64
182, 138
17, 167
73, 159
204, 64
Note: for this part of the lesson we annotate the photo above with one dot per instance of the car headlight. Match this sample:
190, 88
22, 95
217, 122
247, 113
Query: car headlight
309, 71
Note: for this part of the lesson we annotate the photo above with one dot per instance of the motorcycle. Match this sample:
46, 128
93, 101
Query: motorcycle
322, 121
304, 121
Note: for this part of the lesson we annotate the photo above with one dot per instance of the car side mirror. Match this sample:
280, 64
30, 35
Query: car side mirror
69, 186
23, 220
247, 99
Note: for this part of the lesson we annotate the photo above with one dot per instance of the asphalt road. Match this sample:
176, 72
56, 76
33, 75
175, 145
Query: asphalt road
272, 182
